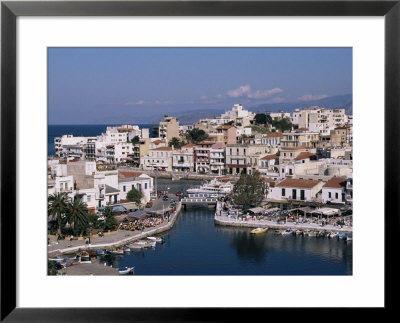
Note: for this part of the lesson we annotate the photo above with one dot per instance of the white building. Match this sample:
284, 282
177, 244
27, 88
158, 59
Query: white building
158, 158
296, 189
334, 191
182, 159
140, 181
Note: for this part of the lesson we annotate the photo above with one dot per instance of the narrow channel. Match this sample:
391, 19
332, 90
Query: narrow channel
197, 246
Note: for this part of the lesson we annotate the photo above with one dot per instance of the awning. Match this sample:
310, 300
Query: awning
326, 211
256, 210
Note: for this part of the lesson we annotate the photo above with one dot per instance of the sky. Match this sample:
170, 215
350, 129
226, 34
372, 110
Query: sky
140, 85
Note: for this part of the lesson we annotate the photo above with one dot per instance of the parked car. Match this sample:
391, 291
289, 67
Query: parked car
165, 198
179, 193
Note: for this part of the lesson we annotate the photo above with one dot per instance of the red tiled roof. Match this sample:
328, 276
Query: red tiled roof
163, 148
336, 182
298, 183
159, 141
296, 148
274, 134
269, 157
189, 146
304, 155
122, 174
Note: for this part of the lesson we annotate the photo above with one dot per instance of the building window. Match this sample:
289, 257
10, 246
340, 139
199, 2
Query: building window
124, 188
329, 194
283, 192
336, 195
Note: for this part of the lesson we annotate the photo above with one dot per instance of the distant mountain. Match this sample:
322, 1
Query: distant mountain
338, 101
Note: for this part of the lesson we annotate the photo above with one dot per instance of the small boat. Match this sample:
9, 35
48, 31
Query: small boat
117, 252
127, 249
126, 270
299, 233
349, 238
259, 230
333, 234
156, 239
100, 252
84, 257
286, 232
341, 235
135, 246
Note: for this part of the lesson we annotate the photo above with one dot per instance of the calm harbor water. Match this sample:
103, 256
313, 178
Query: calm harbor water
197, 246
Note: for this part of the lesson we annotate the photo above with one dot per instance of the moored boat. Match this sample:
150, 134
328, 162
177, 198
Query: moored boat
333, 234
286, 232
349, 238
259, 230
83, 257
117, 252
126, 270
135, 246
156, 239
299, 233
341, 235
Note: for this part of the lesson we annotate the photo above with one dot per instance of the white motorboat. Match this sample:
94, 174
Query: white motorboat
117, 252
156, 239
136, 246
213, 188
333, 234
126, 270
286, 232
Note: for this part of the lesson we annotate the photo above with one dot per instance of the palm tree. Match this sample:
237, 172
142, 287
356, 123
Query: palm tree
57, 206
77, 215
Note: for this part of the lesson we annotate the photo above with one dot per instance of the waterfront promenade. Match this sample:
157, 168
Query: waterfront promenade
229, 221
120, 238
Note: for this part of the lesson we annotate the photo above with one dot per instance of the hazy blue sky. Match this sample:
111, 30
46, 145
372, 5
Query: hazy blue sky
113, 85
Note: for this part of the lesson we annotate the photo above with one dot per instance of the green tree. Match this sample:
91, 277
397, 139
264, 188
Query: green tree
77, 215
249, 190
260, 118
282, 124
108, 212
57, 207
135, 140
196, 135
176, 143
111, 224
134, 195
229, 123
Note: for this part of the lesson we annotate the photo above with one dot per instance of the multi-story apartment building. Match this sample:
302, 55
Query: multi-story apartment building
169, 128
183, 159
68, 146
201, 154
158, 158
342, 136
299, 138
329, 117
217, 159
237, 157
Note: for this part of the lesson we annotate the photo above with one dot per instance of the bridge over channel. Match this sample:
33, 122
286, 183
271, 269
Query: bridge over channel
192, 201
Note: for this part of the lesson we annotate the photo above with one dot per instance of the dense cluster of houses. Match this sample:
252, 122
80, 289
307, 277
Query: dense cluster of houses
310, 162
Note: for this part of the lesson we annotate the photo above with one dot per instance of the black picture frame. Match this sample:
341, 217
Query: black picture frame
10, 10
